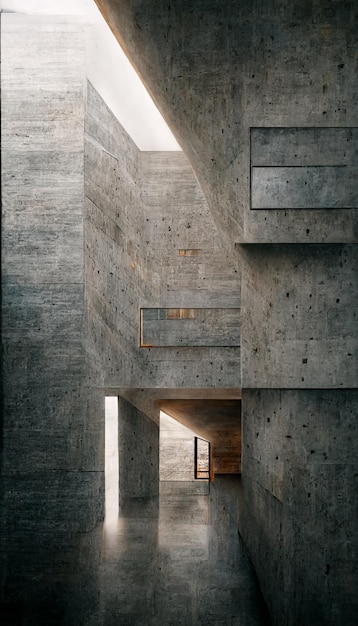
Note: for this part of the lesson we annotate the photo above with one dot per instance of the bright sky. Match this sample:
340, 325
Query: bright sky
111, 73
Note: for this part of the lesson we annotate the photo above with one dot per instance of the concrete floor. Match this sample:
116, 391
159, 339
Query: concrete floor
180, 563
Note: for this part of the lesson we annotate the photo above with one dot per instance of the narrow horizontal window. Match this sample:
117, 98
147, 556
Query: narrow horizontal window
189, 252
189, 327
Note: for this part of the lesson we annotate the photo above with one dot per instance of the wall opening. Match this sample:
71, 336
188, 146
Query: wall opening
194, 327
201, 459
111, 465
178, 451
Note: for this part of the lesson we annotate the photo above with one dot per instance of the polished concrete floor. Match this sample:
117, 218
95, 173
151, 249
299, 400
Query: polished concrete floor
178, 562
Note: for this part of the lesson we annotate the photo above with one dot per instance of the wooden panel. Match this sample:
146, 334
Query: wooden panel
227, 453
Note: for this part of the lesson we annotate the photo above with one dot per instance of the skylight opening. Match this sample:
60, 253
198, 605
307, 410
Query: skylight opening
110, 73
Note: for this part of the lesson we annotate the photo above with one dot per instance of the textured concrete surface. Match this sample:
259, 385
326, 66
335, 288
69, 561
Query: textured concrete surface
300, 316
200, 328
298, 512
303, 168
186, 567
138, 455
141, 210
183, 244
52, 463
217, 70
154, 238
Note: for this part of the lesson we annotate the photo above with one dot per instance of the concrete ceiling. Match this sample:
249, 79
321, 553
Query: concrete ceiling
206, 417
213, 414
217, 421
151, 400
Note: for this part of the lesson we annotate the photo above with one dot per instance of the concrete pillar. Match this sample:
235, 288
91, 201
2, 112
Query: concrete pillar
138, 452
52, 464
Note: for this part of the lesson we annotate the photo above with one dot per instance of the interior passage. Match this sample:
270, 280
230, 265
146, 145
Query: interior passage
179, 563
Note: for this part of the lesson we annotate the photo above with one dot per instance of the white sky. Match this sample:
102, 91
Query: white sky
111, 73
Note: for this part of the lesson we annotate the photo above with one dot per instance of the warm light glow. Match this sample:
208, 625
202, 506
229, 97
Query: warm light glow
176, 451
111, 460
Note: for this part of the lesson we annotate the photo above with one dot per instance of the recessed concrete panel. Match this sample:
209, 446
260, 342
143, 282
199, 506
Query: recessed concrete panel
304, 146
304, 168
299, 503
304, 187
189, 328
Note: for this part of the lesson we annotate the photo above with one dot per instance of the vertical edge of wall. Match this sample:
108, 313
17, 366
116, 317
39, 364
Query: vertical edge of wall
299, 469
298, 502
52, 459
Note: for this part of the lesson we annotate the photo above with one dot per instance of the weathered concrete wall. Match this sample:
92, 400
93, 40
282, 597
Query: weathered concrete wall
183, 243
194, 270
299, 317
298, 513
116, 269
142, 210
299, 475
52, 465
219, 70
216, 70
229, 77
303, 168
200, 328
75, 278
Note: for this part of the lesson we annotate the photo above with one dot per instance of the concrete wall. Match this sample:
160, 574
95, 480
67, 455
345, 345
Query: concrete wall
71, 319
299, 318
116, 268
252, 91
142, 211
194, 270
199, 328
216, 71
82, 253
298, 509
299, 468
52, 463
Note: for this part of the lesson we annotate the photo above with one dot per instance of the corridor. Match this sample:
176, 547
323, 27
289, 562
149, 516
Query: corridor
179, 562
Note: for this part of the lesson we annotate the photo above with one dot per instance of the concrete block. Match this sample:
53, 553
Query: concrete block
299, 481
303, 168
191, 328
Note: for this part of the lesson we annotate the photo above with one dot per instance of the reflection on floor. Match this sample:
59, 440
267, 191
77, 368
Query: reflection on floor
182, 565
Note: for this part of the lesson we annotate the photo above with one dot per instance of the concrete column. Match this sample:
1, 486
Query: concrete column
299, 471
138, 451
52, 469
